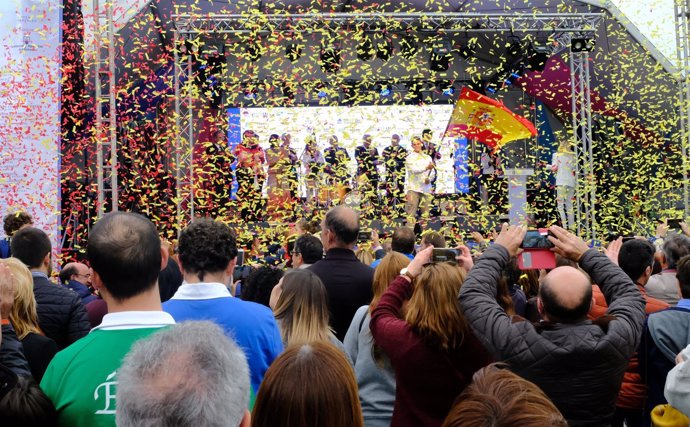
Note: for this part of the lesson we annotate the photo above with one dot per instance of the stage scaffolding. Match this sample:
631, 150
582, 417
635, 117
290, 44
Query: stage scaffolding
682, 23
560, 27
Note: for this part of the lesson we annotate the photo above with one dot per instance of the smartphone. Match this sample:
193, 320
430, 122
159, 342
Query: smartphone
537, 239
240, 258
364, 236
674, 223
444, 255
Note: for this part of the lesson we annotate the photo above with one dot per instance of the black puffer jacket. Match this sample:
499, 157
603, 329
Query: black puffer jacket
579, 366
61, 314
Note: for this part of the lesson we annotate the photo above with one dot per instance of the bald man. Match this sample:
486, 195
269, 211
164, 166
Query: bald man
347, 280
578, 363
77, 277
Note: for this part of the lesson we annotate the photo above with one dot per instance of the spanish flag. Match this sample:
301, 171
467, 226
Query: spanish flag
487, 120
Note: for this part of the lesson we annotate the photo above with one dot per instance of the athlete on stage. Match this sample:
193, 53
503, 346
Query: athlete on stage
250, 175
394, 157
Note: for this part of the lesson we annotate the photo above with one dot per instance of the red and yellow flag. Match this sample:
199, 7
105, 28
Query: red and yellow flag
487, 120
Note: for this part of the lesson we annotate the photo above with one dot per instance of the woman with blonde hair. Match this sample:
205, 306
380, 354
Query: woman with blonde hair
309, 385
373, 370
300, 306
38, 349
431, 347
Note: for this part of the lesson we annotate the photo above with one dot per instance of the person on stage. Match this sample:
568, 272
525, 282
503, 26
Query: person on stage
368, 159
313, 163
250, 175
563, 165
291, 173
420, 173
281, 161
430, 149
212, 173
394, 157
491, 187
337, 159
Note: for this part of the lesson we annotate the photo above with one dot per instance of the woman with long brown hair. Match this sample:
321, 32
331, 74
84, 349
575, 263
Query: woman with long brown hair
432, 349
38, 349
373, 370
300, 306
309, 385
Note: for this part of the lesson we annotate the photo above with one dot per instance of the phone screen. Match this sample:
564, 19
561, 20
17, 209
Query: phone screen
536, 239
444, 255
364, 236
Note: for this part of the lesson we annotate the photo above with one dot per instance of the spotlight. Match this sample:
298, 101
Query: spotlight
384, 89
440, 57
330, 57
321, 91
514, 47
365, 48
293, 51
446, 88
581, 45
384, 46
408, 46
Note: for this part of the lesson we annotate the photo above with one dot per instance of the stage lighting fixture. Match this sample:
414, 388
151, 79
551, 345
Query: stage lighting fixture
581, 45
330, 57
446, 88
384, 89
537, 55
514, 47
384, 46
365, 48
440, 57
408, 46
293, 51
414, 93
469, 48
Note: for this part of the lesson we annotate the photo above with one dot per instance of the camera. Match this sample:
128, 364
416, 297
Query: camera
444, 255
537, 239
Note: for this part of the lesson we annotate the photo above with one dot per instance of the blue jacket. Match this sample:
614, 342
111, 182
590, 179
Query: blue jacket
82, 290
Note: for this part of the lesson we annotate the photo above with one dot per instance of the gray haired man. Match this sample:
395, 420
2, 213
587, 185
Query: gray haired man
190, 374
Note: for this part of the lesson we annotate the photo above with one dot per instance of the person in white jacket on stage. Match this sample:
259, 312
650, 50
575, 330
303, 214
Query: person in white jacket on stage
420, 174
563, 165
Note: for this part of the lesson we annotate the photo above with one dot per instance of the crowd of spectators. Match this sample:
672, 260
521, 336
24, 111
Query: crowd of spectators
338, 326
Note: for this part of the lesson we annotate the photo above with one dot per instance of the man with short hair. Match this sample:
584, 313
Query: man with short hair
61, 314
664, 286
666, 335
347, 280
402, 241
77, 277
126, 256
394, 157
12, 223
208, 254
432, 238
188, 375
308, 250
578, 363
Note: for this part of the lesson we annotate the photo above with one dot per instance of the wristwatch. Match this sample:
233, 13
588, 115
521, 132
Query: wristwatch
406, 272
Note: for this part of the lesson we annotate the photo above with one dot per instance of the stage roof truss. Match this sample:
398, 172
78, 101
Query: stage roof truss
560, 27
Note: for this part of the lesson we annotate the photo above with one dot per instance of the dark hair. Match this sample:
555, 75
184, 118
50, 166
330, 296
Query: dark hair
683, 275
125, 250
26, 405
258, 285
635, 256
30, 245
403, 240
15, 221
426, 131
556, 311
67, 272
435, 239
675, 247
310, 247
343, 230
206, 246
498, 397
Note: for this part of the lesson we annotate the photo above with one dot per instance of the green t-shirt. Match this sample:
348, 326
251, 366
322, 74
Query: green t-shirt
81, 379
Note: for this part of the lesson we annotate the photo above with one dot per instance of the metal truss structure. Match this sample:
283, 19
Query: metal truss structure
682, 23
105, 132
559, 28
